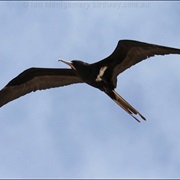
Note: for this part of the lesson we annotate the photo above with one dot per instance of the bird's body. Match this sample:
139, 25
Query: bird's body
93, 75
102, 74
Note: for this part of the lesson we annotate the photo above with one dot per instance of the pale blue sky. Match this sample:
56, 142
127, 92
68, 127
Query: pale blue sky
77, 131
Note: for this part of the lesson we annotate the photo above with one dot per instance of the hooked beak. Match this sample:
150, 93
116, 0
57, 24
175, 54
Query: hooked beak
68, 63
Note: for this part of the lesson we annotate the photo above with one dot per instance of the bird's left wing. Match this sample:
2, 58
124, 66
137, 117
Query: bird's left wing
129, 53
34, 79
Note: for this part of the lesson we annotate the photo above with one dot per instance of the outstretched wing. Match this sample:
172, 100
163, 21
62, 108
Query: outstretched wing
129, 53
34, 79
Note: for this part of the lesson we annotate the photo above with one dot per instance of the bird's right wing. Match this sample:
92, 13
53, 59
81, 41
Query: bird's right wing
34, 79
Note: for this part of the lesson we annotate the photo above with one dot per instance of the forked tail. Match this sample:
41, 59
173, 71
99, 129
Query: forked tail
124, 104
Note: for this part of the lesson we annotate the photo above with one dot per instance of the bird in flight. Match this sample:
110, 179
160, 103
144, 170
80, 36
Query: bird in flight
101, 75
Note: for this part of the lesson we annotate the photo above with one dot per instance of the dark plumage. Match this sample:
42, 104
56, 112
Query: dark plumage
102, 74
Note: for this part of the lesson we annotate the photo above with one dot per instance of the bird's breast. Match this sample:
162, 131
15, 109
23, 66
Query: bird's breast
100, 79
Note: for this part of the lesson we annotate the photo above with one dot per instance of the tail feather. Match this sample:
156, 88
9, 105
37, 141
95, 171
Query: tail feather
125, 105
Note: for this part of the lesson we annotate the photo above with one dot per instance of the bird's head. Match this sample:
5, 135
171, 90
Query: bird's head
75, 64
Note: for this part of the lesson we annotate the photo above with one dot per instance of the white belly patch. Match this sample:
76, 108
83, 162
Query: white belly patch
101, 73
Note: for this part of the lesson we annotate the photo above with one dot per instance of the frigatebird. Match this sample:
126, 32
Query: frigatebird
101, 75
